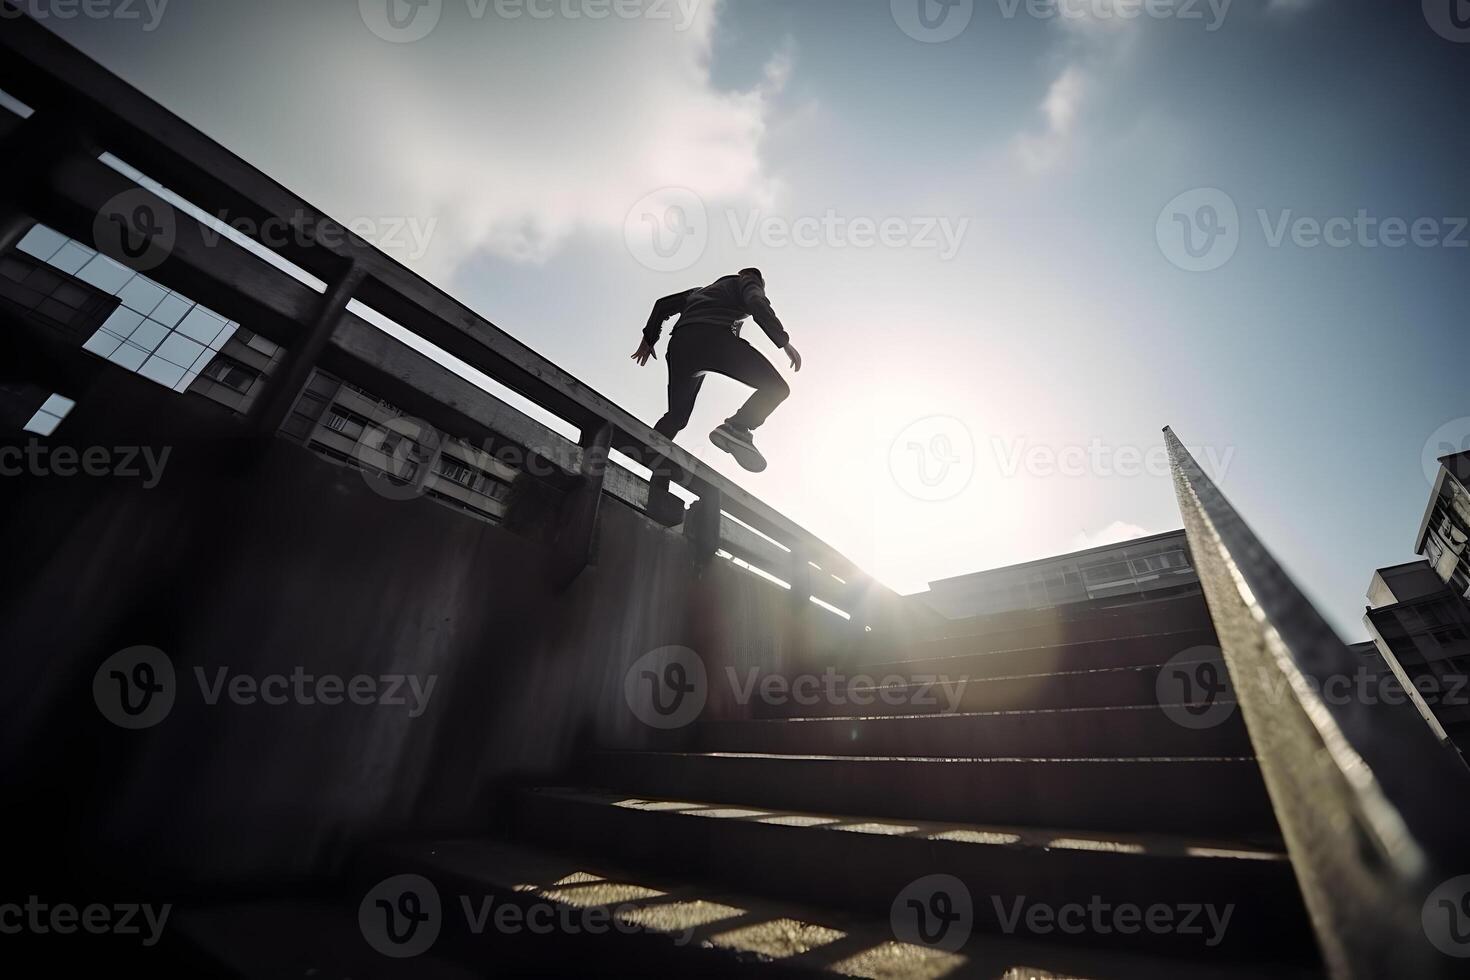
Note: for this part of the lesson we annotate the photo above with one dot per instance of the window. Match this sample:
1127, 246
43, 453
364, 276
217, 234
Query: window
49, 415
230, 374
348, 423
162, 335
456, 472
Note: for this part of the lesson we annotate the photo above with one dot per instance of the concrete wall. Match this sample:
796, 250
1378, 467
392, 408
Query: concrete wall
265, 560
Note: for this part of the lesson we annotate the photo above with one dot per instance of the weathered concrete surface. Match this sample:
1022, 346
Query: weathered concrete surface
272, 561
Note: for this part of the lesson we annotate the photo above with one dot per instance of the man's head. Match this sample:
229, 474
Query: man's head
753, 272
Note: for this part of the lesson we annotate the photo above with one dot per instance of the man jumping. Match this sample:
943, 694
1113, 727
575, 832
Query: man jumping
707, 338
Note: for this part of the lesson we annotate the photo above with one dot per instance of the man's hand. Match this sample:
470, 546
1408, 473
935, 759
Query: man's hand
795, 356
643, 353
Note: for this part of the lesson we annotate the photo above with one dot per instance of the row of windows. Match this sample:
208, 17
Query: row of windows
356, 427
160, 334
1447, 543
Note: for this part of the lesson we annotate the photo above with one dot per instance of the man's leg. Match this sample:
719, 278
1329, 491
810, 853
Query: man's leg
737, 359
683, 390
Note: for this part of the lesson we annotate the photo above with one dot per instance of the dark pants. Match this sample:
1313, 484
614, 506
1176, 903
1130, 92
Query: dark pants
694, 351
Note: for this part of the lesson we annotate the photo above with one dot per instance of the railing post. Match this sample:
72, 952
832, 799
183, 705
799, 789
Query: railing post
575, 539
702, 523
801, 578
1371, 808
281, 391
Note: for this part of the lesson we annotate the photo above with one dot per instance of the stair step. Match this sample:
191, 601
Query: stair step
863, 864
1222, 797
676, 925
1137, 650
1143, 731
1054, 627
1105, 687
1130, 608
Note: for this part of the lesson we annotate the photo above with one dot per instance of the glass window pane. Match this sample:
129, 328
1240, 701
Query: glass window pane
106, 275
42, 243
142, 294
172, 310
161, 371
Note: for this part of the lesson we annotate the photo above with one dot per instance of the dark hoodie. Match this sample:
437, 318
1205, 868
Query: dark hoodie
726, 303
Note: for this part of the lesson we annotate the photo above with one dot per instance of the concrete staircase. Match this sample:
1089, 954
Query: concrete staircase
1062, 784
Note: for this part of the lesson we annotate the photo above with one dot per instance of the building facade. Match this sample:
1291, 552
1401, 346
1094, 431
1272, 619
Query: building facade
1154, 567
71, 296
1419, 612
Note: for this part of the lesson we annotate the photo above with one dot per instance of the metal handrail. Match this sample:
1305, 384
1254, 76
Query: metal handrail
1372, 808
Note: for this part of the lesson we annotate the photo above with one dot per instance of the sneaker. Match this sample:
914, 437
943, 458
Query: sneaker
739, 443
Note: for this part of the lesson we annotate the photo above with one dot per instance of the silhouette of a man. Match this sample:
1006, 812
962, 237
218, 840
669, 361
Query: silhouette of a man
707, 338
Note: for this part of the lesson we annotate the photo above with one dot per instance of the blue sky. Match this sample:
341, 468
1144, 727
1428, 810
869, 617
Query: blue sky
1043, 344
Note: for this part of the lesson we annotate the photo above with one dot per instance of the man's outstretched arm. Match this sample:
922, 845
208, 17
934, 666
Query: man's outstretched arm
662, 310
753, 294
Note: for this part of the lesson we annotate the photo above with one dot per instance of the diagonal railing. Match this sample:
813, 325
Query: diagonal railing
1372, 808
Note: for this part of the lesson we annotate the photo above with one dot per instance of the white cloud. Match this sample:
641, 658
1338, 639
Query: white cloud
506, 136
1044, 150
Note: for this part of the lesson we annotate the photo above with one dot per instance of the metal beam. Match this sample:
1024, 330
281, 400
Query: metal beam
1371, 837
